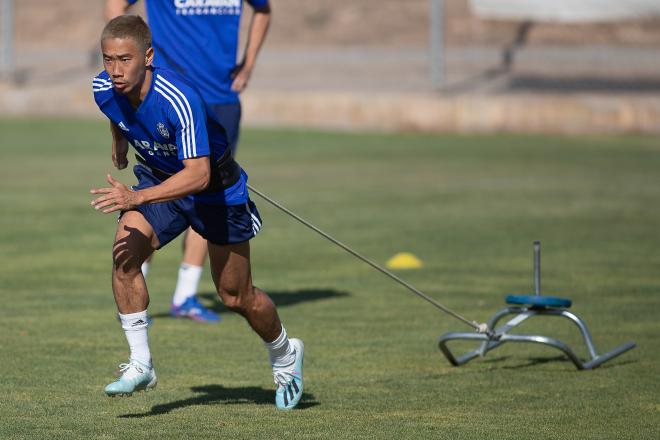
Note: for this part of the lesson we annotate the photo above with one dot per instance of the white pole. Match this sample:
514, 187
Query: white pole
436, 46
6, 39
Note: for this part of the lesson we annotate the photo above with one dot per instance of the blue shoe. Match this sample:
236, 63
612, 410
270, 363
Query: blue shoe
136, 376
193, 309
289, 379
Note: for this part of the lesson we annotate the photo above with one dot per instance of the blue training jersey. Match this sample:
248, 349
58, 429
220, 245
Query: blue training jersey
199, 39
168, 127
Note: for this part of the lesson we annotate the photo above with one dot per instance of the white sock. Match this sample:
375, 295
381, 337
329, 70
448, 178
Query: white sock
135, 327
279, 351
187, 283
145, 269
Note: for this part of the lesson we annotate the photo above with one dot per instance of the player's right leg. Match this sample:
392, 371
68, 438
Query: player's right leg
135, 240
230, 267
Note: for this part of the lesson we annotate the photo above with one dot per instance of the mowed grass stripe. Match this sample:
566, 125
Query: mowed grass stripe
468, 206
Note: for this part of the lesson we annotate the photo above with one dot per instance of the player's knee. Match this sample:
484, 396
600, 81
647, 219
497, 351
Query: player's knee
235, 299
125, 265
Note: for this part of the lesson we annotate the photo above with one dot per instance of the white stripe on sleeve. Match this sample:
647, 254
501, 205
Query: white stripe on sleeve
187, 104
187, 116
184, 136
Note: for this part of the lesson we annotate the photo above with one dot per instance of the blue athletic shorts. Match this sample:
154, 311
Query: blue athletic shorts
219, 224
229, 116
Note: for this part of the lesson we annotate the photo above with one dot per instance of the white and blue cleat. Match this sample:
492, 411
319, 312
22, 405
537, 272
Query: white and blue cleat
289, 379
135, 376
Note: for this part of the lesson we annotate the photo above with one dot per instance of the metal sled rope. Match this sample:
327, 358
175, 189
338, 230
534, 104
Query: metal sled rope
477, 326
488, 334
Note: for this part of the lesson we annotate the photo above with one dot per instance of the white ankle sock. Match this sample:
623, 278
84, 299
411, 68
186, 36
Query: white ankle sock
145, 269
135, 327
279, 351
187, 283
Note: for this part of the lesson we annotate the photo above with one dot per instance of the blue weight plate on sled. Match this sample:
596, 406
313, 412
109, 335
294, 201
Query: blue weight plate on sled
539, 301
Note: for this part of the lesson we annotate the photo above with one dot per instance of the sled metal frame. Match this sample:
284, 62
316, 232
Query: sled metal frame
501, 335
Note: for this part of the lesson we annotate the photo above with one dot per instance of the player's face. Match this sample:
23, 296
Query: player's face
125, 63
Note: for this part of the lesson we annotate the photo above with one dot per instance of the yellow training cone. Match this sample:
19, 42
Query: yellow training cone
404, 260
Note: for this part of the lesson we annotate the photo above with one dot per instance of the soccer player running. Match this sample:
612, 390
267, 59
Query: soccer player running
200, 43
186, 177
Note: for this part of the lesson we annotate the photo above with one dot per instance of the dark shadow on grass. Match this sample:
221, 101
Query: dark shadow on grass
496, 359
219, 395
280, 298
530, 363
612, 363
534, 361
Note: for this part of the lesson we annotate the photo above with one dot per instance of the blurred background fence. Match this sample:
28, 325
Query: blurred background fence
433, 65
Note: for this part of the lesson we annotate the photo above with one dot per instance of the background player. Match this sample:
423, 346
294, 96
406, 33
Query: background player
201, 43
187, 177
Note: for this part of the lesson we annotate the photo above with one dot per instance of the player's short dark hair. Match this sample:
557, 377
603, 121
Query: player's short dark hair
128, 26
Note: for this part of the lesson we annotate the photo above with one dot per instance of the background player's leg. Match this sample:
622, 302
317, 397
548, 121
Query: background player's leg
194, 248
146, 266
184, 301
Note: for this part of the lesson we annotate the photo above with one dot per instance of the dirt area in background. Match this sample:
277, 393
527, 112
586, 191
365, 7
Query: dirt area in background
364, 64
75, 24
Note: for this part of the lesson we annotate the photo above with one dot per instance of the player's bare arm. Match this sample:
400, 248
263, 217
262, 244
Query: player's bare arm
119, 148
193, 178
256, 36
114, 8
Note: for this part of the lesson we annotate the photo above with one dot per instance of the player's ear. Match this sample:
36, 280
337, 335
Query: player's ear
149, 56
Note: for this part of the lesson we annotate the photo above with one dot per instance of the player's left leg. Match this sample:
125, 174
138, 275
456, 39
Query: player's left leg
230, 267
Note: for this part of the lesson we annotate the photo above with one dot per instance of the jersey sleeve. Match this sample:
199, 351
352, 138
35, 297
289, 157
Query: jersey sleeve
132, 2
186, 113
102, 88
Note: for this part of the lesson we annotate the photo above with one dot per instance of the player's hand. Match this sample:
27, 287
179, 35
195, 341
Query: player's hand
241, 77
119, 153
118, 197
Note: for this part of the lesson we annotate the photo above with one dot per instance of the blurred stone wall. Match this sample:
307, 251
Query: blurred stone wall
75, 24
364, 64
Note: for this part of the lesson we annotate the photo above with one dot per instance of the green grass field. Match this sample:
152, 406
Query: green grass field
468, 206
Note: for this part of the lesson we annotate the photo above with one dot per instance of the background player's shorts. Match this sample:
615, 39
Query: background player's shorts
218, 224
229, 116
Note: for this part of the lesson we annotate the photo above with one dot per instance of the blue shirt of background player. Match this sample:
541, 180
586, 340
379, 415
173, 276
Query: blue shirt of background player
169, 126
193, 36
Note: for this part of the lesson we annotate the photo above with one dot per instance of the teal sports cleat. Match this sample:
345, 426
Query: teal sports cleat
135, 377
289, 379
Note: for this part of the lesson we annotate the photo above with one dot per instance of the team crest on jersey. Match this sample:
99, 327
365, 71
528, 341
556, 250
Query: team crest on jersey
163, 130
